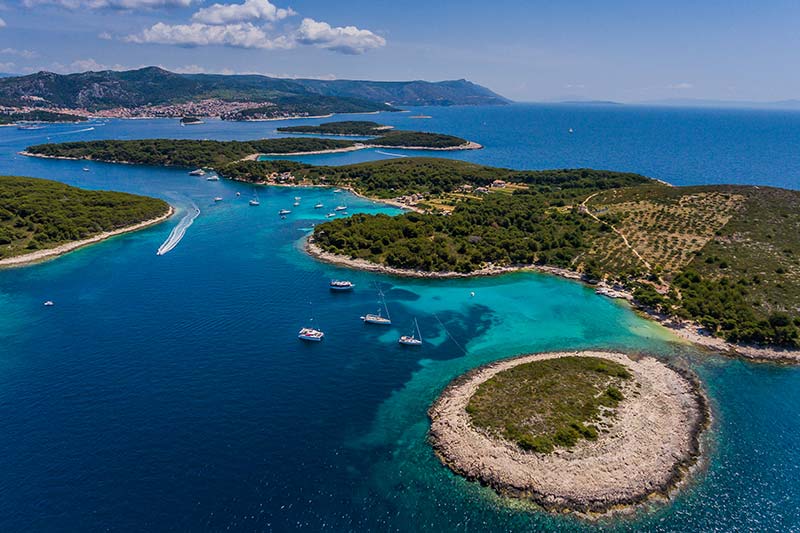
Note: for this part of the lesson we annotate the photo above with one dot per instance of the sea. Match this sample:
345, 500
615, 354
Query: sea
170, 393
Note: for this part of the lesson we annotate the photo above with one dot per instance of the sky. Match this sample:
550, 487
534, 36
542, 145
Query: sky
534, 50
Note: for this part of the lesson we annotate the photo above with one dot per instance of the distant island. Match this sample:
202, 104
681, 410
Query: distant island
217, 154
631, 426
189, 121
155, 92
719, 264
40, 218
361, 128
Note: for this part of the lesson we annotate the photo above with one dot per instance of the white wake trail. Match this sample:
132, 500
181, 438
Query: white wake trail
71, 132
179, 231
390, 154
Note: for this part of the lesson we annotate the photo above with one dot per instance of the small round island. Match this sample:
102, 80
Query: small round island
589, 432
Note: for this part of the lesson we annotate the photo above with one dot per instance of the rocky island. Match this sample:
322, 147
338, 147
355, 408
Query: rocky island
589, 432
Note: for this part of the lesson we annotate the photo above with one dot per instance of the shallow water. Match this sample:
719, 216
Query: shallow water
170, 392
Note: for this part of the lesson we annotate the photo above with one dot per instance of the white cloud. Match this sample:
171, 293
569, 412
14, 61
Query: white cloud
26, 54
236, 35
104, 35
6, 67
344, 39
114, 4
680, 86
249, 10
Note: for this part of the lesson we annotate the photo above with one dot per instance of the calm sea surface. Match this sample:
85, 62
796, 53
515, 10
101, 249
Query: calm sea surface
170, 393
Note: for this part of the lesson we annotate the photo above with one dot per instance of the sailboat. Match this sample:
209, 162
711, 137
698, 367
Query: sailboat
310, 333
318, 206
254, 201
378, 318
341, 208
412, 340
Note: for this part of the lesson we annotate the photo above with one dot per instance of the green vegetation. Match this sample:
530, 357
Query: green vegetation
39, 116
361, 128
38, 214
183, 152
549, 403
307, 105
383, 135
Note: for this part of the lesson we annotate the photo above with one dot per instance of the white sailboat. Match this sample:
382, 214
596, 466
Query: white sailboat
378, 317
254, 202
412, 340
310, 333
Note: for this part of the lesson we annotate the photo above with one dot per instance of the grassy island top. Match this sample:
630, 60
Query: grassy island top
549, 403
37, 214
384, 135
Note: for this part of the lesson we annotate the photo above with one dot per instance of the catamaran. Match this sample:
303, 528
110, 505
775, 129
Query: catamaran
412, 340
378, 318
341, 285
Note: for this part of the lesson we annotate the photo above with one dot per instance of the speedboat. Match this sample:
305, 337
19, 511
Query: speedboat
49, 303
337, 190
86, 169
212, 177
284, 212
218, 199
197, 172
310, 334
318, 206
254, 202
341, 285
330, 215
340, 208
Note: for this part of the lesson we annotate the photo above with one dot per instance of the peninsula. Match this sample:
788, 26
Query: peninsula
589, 432
718, 264
40, 219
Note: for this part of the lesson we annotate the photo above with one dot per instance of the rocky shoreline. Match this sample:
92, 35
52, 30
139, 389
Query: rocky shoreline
651, 449
52, 253
686, 330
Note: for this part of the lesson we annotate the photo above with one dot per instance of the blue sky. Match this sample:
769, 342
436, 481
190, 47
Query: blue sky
527, 50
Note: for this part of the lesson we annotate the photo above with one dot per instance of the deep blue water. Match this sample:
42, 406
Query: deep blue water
170, 393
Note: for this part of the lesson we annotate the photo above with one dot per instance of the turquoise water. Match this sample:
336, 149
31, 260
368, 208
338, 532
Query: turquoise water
170, 393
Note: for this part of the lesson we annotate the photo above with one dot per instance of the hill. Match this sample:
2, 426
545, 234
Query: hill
153, 86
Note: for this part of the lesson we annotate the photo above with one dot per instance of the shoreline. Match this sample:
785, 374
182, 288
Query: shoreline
651, 450
52, 253
469, 145
685, 330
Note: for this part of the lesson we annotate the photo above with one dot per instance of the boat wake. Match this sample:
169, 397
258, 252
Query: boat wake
179, 231
390, 154
72, 131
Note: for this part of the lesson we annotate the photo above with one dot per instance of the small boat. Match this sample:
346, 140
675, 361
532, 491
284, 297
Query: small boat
254, 202
340, 208
330, 215
238, 193
296, 204
412, 340
341, 285
49, 303
30, 127
378, 318
284, 212
212, 177
197, 172
218, 198
310, 334
318, 206
571, 130
337, 190
297, 198
86, 169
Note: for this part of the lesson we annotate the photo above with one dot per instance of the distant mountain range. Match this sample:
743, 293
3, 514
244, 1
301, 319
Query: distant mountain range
156, 86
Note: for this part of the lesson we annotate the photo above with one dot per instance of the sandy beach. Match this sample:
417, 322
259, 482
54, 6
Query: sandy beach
51, 253
651, 447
